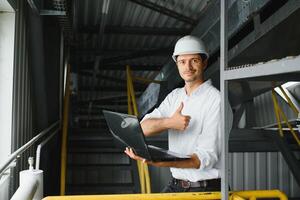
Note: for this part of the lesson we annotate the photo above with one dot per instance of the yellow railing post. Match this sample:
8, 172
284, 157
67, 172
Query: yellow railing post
64, 134
132, 109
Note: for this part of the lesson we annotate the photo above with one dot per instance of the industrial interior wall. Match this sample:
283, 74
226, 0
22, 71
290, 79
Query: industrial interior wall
36, 92
267, 170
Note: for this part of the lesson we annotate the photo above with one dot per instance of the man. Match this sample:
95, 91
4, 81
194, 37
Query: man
192, 117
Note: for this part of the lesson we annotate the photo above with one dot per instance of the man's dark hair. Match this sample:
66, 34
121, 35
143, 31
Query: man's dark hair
202, 55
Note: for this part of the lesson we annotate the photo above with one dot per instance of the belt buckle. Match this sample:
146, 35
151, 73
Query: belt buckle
185, 184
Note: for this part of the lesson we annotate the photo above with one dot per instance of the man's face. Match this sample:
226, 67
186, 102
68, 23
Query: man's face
191, 67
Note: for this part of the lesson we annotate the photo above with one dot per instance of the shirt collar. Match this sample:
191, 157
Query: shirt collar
199, 89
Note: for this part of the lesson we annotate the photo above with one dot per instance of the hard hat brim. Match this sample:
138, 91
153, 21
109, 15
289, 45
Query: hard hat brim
190, 52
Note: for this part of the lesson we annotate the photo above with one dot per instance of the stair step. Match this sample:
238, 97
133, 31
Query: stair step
88, 131
294, 147
102, 134
103, 143
120, 188
89, 137
101, 167
94, 150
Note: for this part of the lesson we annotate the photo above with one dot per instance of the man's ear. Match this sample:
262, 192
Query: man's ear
205, 64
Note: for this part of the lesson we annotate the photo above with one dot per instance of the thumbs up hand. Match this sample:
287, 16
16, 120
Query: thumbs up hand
178, 121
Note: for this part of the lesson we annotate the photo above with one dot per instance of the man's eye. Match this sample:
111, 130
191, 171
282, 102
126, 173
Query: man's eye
196, 61
181, 62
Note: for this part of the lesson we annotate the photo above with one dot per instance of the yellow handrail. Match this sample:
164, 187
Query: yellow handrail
290, 126
293, 107
145, 80
280, 112
131, 112
254, 194
132, 109
276, 110
236, 195
64, 134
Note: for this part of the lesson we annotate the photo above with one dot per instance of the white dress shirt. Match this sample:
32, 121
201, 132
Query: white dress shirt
203, 134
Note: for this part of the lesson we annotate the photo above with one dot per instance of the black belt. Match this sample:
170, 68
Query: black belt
203, 184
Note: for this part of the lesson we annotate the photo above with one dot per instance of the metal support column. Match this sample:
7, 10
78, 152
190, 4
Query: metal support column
224, 98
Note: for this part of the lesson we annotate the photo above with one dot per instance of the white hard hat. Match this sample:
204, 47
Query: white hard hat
189, 45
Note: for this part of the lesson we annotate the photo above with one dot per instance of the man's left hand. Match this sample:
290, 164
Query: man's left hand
132, 155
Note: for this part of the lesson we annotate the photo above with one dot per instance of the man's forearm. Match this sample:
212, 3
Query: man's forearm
154, 126
193, 162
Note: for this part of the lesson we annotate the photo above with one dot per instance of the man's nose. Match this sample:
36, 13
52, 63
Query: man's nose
189, 65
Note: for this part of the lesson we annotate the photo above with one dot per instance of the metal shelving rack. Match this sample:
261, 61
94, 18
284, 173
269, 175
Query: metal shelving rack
271, 68
267, 70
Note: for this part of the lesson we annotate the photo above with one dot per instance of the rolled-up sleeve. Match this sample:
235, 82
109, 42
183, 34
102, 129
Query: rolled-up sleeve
208, 147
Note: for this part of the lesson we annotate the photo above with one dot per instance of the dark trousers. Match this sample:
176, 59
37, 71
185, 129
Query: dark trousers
176, 186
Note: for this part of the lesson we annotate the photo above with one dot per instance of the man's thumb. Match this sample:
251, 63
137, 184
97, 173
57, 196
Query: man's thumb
179, 109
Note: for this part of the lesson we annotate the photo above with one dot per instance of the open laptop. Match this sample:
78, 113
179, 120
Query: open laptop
127, 130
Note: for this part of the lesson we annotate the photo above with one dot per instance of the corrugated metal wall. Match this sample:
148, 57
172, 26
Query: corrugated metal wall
22, 122
263, 170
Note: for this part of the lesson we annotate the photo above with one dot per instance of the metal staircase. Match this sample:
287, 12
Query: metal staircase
95, 166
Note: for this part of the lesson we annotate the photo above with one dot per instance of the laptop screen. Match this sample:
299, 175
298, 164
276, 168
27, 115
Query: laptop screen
127, 130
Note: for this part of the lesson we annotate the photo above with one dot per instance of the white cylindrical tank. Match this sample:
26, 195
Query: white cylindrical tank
31, 184
33, 176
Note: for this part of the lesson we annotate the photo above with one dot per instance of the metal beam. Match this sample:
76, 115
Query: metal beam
97, 109
53, 12
114, 80
108, 89
107, 100
111, 97
36, 9
89, 65
135, 30
102, 77
282, 66
147, 30
139, 54
104, 52
165, 11
102, 102
131, 55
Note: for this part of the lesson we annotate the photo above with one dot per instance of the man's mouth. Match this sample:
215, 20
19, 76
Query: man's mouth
188, 73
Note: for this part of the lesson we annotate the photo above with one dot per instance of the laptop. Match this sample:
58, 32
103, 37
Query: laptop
126, 129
